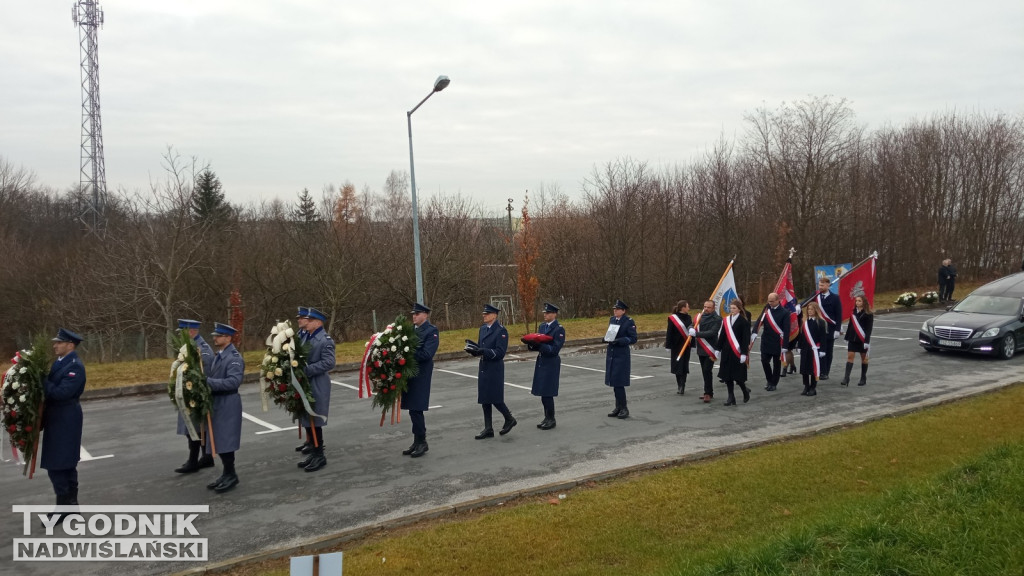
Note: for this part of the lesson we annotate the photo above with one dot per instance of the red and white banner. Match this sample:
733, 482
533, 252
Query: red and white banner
859, 281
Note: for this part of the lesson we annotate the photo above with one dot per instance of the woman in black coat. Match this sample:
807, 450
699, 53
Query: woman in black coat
812, 332
733, 341
858, 334
678, 324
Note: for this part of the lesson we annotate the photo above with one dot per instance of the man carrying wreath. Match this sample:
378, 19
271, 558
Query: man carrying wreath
62, 418
194, 462
417, 396
224, 378
319, 363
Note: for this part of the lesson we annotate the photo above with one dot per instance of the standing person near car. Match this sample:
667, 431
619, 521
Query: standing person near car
679, 324
705, 335
620, 336
831, 311
858, 334
490, 347
812, 333
734, 342
947, 280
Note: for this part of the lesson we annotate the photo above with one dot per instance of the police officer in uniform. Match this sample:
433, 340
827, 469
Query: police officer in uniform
616, 362
705, 338
417, 397
549, 364
775, 338
490, 347
62, 418
319, 363
224, 378
832, 313
194, 462
301, 318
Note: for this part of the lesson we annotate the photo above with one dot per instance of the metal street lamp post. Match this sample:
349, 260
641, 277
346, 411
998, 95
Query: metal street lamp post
440, 84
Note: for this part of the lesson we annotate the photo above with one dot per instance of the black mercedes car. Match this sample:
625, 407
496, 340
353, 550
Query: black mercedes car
989, 320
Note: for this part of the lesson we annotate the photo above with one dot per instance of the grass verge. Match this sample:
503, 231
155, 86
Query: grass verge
911, 487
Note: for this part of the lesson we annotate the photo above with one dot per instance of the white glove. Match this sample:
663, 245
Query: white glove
837, 335
752, 338
821, 354
867, 347
718, 354
691, 332
797, 308
743, 358
784, 350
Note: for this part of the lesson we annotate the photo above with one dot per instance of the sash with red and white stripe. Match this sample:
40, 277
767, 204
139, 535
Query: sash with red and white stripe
708, 348
821, 310
734, 342
678, 323
858, 328
814, 348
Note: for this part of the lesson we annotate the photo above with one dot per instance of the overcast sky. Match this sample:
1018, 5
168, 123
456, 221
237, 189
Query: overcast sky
280, 95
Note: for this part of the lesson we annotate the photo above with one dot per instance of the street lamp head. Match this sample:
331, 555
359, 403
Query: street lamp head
441, 83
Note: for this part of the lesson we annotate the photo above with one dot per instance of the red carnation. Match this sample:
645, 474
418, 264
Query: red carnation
12, 428
281, 387
401, 361
14, 413
398, 375
376, 364
28, 428
384, 352
296, 394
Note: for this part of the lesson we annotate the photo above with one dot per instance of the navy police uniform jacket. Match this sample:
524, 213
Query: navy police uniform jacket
206, 355
62, 414
772, 342
674, 340
490, 384
224, 378
549, 363
729, 365
616, 362
319, 364
417, 396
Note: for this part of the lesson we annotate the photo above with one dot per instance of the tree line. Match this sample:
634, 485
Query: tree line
805, 174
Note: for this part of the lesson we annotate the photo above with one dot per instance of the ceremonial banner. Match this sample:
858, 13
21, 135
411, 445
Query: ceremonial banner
787, 296
725, 293
830, 271
859, 281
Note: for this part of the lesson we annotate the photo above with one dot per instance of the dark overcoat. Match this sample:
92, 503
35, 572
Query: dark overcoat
206, 355
856, 344
417, 397
773, 342
62, 414
616, 362
674, 341
549, 363
708, 326
490, 384
319, 364
833, 308
729, 366
224, 378
816, 328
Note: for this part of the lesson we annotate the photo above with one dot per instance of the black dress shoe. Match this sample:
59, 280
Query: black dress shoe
485, 433
730, 402
509, 425
624, 413
420, 450
823, 377
615, 413
746, 393
542, 423
213, 485
302, 447
812, 392
188, 467
229, 482
317, 462
408, 451
771, 388
548, 425
308, 449
206, 461
305, 462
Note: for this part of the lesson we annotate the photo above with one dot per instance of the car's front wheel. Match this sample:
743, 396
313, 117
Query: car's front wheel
1007, 346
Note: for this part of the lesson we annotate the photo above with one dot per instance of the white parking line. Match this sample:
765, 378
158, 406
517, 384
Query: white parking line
84, 455
269, 427
474, 377
900, 329
631, 376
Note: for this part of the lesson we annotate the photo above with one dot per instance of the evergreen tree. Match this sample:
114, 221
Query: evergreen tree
208, 203
306, 211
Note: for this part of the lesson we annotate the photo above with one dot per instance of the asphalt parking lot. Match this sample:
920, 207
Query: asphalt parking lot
130, 449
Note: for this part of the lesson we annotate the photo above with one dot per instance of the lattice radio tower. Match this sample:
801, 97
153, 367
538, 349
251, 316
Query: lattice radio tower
88, 16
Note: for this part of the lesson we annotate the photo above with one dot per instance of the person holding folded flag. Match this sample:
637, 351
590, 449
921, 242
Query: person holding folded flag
812, 332
734, 341
547, 342
858, 334
775, 323
679, 323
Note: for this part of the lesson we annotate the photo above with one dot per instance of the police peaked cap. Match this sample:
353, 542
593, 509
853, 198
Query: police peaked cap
620, 305
549, 307
417, 307
190, 324
67, 336
316, 315
303, 312
488, 309
224, 329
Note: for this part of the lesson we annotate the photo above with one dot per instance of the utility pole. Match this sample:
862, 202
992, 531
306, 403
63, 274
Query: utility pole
88, 16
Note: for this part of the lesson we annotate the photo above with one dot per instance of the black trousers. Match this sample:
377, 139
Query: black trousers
419, 423
620, 395
64, 481
827, 344
707, 366
772, 365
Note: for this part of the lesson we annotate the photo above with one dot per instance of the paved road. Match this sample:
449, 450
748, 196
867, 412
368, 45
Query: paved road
132, 448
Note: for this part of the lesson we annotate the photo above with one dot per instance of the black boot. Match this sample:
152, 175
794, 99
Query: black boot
318, 461
615, 413
305, 461
549, 422
846, 377
408, 451
814, 389
807, 388
488, 431
305, 447
510, 423
61, 500
863, 375
228, 482
192, 464
420, 447
206, 461
746, 392
624, 413
731, 401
